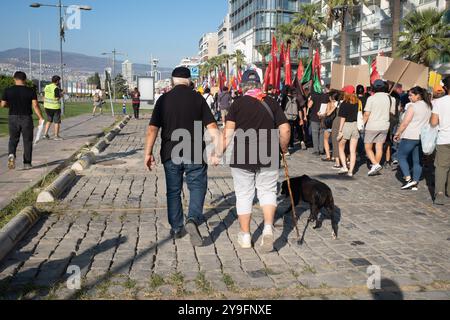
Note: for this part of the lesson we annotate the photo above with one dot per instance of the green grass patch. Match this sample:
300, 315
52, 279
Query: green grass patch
229, 282
203, 284
177, 280
23, 200
130, 284
156, 281
72, 109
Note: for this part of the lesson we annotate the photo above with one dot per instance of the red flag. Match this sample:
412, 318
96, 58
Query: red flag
267, 77
317, 66
288, 67
279, 66
375, 75
300, 71
274, 62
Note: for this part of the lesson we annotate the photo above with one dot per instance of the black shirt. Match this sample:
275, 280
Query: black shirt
318, 99
181, 108
249, 113
349, 112
19, 99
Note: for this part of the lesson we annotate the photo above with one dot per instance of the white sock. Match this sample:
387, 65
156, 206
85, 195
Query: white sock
268, 228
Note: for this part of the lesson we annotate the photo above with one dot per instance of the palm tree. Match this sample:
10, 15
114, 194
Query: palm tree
396, 12
340, 11
424, 39
307, 25
264, 50
239, 58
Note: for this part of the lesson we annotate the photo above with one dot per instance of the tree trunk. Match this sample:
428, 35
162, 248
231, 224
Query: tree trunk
343, 40
396, 12
447, 4
264, 64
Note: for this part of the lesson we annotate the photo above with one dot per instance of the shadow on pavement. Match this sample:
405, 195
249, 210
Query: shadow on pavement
389, 291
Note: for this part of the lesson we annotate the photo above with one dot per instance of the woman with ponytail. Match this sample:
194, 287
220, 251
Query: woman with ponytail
415, 119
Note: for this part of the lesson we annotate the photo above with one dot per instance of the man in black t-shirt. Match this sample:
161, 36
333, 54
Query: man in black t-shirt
182, 114
255, 121
21, 101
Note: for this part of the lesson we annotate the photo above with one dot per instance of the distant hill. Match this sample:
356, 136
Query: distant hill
73, 61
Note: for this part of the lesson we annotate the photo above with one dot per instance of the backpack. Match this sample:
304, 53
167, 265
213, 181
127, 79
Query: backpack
291, 111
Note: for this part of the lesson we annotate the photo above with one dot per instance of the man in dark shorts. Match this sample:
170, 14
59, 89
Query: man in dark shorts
52, 105
21, 101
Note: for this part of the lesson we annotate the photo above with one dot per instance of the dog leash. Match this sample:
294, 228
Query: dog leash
294, 214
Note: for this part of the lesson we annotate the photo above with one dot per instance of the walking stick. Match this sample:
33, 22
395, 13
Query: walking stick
294, 214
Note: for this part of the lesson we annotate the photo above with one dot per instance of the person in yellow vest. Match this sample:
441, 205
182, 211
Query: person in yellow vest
52, 106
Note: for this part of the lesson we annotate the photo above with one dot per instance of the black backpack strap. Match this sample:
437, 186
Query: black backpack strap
269, 110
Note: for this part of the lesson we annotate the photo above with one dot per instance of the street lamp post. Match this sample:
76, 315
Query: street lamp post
60, 7
114, 53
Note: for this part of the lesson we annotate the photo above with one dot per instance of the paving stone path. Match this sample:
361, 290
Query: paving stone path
112, 224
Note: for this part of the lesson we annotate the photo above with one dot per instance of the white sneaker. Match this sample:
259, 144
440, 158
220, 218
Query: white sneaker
267, 239
343, 171
11, 162
245, 240
375, 169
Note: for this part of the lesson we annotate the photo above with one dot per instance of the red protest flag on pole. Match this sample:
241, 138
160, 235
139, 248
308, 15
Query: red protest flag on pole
267, 77
374, 76
274, 62
279, 66
300, 71
317, 65
288, 67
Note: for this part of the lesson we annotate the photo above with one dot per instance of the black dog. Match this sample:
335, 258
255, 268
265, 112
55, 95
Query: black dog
318, 195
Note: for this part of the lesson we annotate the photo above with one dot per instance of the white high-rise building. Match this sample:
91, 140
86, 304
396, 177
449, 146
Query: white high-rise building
208, 46
225, 40
366, 36
127, 72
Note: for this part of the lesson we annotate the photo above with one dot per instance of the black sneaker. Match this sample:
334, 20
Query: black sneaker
27, 167
177, 234
409, 184
192, 229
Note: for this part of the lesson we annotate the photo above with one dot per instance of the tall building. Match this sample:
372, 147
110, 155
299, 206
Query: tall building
369, 31
254, 21
225, 41
127, 72
208, 46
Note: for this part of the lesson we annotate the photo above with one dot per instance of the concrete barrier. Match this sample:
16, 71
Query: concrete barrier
85, 162
52, 192
99, 147
16, 229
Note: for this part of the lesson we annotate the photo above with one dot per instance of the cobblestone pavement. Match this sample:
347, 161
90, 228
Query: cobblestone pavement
113, 225
47, 155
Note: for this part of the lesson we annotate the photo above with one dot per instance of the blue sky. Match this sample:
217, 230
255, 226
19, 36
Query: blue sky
168, 29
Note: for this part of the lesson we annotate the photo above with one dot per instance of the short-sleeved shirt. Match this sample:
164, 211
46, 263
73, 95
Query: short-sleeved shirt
20, 100
251, 116
184, 109
349, 112
380, 106
441, 107
318, 99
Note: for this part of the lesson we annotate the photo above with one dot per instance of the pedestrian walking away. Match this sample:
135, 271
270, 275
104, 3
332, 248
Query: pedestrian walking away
377, 113
52, 106
98, 101
136, 101
182, 108
314, 105
224, 101
260, 115
441, 119
21, 102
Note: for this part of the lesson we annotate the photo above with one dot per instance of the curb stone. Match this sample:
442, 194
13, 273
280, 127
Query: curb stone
18, 227
52, 192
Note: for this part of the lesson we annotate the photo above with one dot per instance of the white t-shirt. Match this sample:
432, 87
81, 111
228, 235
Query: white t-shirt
422, 115
209, 99
380, 105
441, 107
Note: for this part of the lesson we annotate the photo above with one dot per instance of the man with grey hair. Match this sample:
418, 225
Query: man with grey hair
259, 127
185, 110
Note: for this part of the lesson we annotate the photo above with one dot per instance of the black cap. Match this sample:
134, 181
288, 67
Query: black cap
251, 76
379, 84
181, 72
